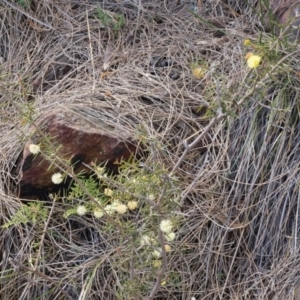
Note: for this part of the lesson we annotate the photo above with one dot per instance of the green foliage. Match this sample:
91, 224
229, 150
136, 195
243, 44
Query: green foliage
34, 212
137, 233
89, 183
24, 3
28, 113
115, 23
132, 206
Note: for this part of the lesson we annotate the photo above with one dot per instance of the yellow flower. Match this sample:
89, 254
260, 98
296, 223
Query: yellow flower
199, 72
168, 248
156, 253
157, 263
253, 61
132, 205
247, 42
81, 210
163, 283
114, 204
166, 226
147, 240
121, 209
98, 213
57, 178
170, 236
109, 209
34, 149
108, 192
151, 197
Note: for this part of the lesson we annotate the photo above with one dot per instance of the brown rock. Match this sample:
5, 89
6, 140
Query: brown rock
287, 16
74, 139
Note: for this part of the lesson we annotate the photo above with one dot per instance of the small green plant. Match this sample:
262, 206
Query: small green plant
34, 212
115, 22
24, 3
139, 207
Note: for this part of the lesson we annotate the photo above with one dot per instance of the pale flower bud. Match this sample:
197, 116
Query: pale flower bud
121, 209
34, 149
81, 210
108, 192
98, 213
170, 236
132, 205
57, 178
166, 226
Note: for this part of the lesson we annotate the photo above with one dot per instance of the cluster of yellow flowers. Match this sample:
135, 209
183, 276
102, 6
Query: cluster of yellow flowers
115, 202
253, 60
119, 196
149, 239
116, 206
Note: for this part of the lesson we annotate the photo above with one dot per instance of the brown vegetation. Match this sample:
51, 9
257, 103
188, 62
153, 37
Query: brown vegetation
239, 181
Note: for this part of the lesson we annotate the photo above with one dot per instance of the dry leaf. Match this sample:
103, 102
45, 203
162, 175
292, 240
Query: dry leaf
107, 57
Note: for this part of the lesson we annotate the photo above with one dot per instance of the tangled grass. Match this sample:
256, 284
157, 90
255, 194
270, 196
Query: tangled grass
230, 138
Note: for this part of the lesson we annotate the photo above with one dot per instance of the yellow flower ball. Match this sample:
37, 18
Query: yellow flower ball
109, 209
151, 197
147, 240
247, 42
253, 61
115, 203
57, 178
157, 263
121, 209
108, 192
166, 226
156, 253
168, 248
132, 205
170, 236
81, 210
34, 149
98, 213
199, 72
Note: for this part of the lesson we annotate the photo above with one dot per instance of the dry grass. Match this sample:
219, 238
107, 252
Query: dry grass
240, 183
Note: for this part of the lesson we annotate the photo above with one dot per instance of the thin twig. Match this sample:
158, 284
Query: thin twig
189, 147
28, 15
44, 233
40, 274
162, 271
91, 52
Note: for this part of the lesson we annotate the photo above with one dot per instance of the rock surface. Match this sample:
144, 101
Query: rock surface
287, 14
74, 139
